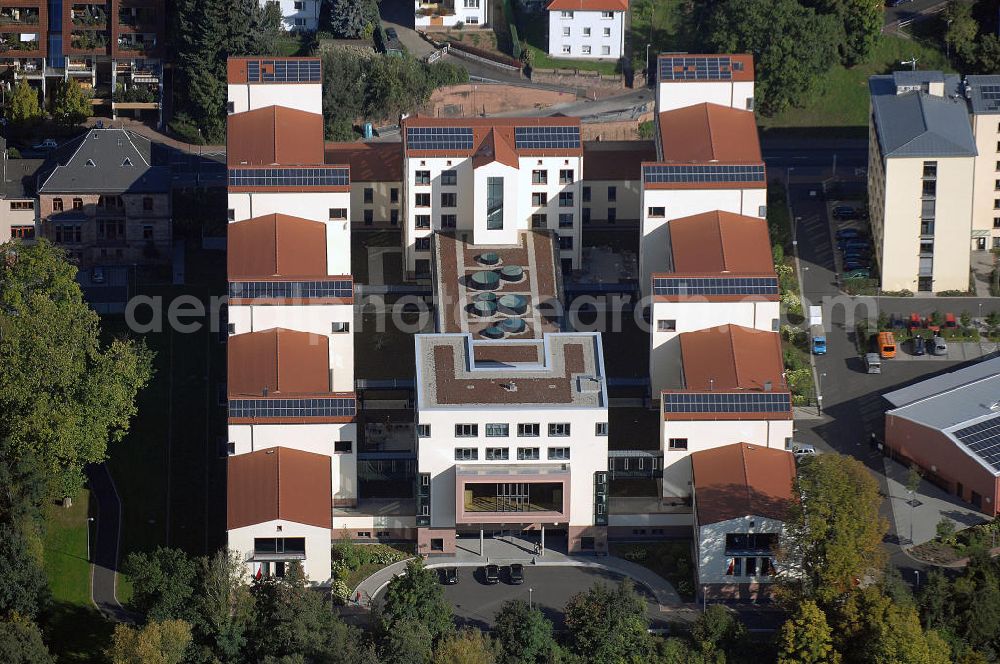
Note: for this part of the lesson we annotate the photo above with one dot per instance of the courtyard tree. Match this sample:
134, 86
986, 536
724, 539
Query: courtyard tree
609, 624
417, 596
869, 628
70, 105
409, 642
523, 635
805, 638
224, 607
717, 630
155, 643
23, 108
469, 646
162, 583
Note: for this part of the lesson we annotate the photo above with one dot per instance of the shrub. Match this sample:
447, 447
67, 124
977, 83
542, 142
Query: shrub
13, 153
186, 129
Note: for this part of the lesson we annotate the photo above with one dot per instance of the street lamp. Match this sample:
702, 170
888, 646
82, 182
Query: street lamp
916, 573
90, 520
530, 590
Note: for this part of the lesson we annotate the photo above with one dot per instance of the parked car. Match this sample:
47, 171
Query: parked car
449, 576
873, 363
918, 345
47, 144
97, 275
858, 273
492, 574
844, 212
848, 233
517, 574
940, 346
802, 450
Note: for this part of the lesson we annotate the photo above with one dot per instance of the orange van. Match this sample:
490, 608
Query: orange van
887, 345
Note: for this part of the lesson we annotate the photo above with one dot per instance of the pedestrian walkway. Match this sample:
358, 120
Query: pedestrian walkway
104, 568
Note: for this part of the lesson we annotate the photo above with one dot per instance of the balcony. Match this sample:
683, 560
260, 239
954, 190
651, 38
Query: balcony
136, 17
93, 17
89, 40
18, 16
512, 493
10, 44
435, 8
136, 43
137, 93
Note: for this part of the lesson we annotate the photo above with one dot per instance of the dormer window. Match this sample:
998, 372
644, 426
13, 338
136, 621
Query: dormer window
127, 162
90, 162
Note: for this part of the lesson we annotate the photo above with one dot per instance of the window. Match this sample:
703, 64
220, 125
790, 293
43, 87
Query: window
147, 232
566, 176
927, 247
586, 214
607, 14
930, 169
677, 444
565, 199
586, 49
497, 430
996, 186
996, 222
272, 545
566, 51
497, 453
299, 22
394, 216
751, 567
471, 4
566, 31
735, 567
437, 544
586, 194
422, 221
369, 195
566, 220
612, 215
22, 232
448, 220
68, 233
340, 327
338, 214
449, 200
423, 200
539, 198
927, 227
449, 178
586, 32
539, 177
494, 203
560, 429
77, 203
466, 430
111, 229
57, 205
466, 454
558, 453
423, 244
22, 205
527, 454
605, 50
601, 429
394, 195
369, 217
230, 107
607, 32
565, 14
929, 189
996, 203
612, 194
231, 214
472, 20
527, 430
656, 211
423, 431
423, 177
342, 447
539, 220
566, 242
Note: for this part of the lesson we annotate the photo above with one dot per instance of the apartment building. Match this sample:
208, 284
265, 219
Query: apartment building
298, 15
612, 180
708, 158
292, 406
114, 49
376, 181
491, 179
18, 209
742, 498
429, 15
983, 96
727, 387
587, 28
690, 79
106, 204
921, 175
719, 271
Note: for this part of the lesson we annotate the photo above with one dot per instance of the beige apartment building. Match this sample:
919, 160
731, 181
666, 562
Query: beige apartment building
983, 95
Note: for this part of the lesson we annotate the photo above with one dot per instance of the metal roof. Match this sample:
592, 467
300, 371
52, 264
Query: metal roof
983, 93
108, 161
919, 124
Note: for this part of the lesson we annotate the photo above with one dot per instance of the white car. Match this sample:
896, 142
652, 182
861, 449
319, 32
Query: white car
939, 346
803, 450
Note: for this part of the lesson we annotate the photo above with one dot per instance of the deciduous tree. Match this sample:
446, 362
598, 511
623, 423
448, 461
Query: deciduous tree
24, 109
416, 595
869, 628
162, 583
21, 642
470, 646
155, 643
609, 624
70, 105
805, 638
523, 635
409, 642
224, 607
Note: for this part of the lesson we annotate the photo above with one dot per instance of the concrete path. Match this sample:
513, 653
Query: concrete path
104, 567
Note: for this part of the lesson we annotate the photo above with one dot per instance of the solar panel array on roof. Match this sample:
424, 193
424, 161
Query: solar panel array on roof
990, 92
698, 68
540, 138
715, 286
284, 71
727, 402
282, 408
439, 138
983, 439
702, 173
321, 176
248, 290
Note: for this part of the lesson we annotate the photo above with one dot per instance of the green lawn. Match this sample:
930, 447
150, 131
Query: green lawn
664, 30
534, 30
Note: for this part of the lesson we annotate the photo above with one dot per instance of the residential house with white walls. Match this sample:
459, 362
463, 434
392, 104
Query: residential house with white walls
298, 15
429, 15
689, 79
587, 29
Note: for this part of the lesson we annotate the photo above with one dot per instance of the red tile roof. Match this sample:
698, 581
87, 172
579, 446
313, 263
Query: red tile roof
731, 357
274, 135
588, 5
709, 133
282, 362
736, 481
276, 245
279, 483
369, 162
497, 145
720, 243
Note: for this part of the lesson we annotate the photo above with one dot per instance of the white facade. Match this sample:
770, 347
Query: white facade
680, 94
318, 557
18, 218
298, 15
713, 561
586, 34
986, 192
612, 200
243, 97
430, 15
708, 434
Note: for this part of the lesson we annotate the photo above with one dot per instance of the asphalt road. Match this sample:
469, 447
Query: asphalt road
910, 10
106, 543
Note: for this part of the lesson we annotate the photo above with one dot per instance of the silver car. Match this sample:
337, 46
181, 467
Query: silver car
939, 346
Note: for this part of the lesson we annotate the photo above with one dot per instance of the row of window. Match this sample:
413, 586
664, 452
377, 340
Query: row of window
541, 176
502, 430
569, 14
503, 454
567, 49
612, 194
450, 199
565, 241
369, 195
749, 566
450, 178
104, 202
566, 32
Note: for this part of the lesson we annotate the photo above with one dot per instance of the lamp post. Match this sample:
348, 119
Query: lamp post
530, 590
90, 520
916, 573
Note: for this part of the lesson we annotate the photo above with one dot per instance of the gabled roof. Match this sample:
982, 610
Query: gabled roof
736, 481
919, 124
107, 161
731, 357
588, 5
709, 133
720, 243
369, 162
278, 363
274, 135
276, 245
279, 483
20, 177
496, 145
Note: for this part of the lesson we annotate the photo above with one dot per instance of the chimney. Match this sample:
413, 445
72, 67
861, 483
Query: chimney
263, 392
767, 386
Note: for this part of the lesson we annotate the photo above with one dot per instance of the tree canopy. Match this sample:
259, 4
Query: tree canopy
23, 108
162, 583
70, 105
353, 19
523, 635
155, 643
417, 596
609, 624
805, 638
21, 642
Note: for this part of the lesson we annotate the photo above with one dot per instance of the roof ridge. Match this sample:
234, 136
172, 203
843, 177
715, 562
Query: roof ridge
732, 349
722, 241
277, 239
746, 477
137, 150
711, 134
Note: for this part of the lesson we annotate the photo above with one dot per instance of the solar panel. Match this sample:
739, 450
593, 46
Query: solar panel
698, 68
540, 138
703, 173
715, 286
983, 440
289, 408
284, 71
439, 138
248, 290
727, 402
990, 92
319, 176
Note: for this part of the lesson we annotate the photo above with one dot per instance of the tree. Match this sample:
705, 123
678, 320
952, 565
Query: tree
860, 23
417, 596
523, 635
934, 605
717, 630
608, 624
869, 628
962, 30
409, 642
23, 586
945, 530
349, 19
72, 395
21, 642
156, 643
162, 583
224, 606
833, 536
806, 638
70, 105
470, 646
23, 109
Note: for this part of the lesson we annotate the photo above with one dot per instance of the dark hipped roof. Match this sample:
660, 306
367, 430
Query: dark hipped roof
616, 160
369, 162
285, 362
731, 357
20, 177
983, 93
918, 124
736, 481
275, 135
279, 483
720, 243
107, 161
276, 245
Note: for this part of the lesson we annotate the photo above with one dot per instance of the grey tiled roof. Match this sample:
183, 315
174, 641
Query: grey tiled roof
984, 104
19, 177
917, 124
112, 161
